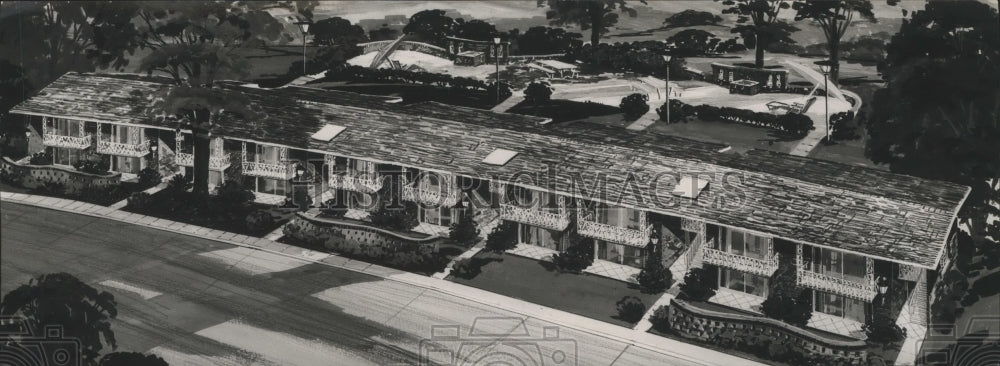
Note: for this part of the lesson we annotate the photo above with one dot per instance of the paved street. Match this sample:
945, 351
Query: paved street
197, 301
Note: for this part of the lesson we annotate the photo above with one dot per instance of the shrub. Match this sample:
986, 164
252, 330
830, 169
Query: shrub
466, 268
577, 257
785, 301
634, 106
796, 124
881, 328
654, 277
51, 188
140, 201
630, 309
178, 184
661, 319
92, 166
697, 285
259, 221
464, 231
679, 111
538, 91
233, 194
502, 238
396, 218
149, 178
40, 158
842, 127
505, 91
335, 207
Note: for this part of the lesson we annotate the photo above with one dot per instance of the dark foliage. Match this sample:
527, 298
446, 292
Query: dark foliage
335, 207
639, 57
654, 277
757, 22
661, 319
402, 217
258, 221
634, 106
233, 194
465, 231
630, 309
149, 178
697, 285
881, 327
336, 30
92, 166
797, 125
785, 300
139, 201
694, 42
538, 91
691, 18
679, 111
578, 255
41, 158
843, 127
364, 74
502, 238
467, 268
547, 40
131, 359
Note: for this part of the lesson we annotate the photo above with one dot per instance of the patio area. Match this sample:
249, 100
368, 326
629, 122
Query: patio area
600, 267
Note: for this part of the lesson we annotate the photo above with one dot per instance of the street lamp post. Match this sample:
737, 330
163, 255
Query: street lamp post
304, 26
824, 66
496, 55
666, 59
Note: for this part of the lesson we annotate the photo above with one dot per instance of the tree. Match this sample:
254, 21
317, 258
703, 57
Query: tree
758, 24
691, 18
698, 285
881, 328
578, 255
197, 43
547, 40
502, 238
634, 106
937, 117
383, 34
630, 309
464, 231
475, 29
654, 277
538, 92
131, 359
431, 26
694, 42
834, 17
59, 299
785, 300
596, 15
337, 31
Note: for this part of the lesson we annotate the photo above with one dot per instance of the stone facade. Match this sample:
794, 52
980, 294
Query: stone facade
33, 176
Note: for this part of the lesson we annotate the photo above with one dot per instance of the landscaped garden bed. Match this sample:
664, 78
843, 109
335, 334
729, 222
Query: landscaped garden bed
538, 282
404, 250
39, 177
561, 110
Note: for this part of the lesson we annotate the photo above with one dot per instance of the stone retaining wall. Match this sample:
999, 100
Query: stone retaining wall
34, 176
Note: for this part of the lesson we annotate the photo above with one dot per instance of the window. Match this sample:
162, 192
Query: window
434, 215
619, 216
67, 127
537, 236
837, 264
272, 186
839, 306
743, 282
743, 243
125, 164
65, 156
268, 154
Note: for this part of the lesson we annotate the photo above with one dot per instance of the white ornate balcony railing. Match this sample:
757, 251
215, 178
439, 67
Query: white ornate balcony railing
864, 291
356, 181
757, 266
71, 142
612, 233
557, 220
445, 196
123, 149
267, 170
215, 162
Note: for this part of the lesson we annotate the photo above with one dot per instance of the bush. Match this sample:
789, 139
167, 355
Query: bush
178, 185
505, 91
697, 285
140, 201
881, 328
502, 238
842, 127
396, 218
538, 91
466, 268
794, 123
679, 111
259, 221
92, 166
630, 309
149, 178
661, 319
785, 301
464, 231
233, 194
634, 106
654, 277
335, 207
577, 257
51, 188
40, 158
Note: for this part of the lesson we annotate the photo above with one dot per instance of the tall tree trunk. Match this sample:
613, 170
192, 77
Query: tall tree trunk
596, 22
759, 58
835, 61
202, 151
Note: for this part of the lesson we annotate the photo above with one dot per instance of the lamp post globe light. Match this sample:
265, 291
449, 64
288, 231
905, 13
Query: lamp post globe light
304, 26
824, 66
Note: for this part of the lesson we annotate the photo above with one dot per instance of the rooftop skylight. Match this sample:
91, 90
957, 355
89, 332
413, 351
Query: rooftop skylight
328, 132
499, 157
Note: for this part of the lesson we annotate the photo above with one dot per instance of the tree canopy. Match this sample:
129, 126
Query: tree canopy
834, 17
431, 26
337, 31
758, 24
598, 16
691, 18
547, 40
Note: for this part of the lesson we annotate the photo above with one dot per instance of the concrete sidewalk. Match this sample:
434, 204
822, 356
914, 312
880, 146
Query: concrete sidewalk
636, 337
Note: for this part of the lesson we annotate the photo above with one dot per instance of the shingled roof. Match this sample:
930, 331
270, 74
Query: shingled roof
867, 211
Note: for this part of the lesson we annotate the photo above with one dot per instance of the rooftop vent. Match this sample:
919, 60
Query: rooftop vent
499, 157
690, 187
328, 132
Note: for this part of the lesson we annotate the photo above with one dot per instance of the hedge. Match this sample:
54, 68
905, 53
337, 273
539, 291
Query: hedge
796, 124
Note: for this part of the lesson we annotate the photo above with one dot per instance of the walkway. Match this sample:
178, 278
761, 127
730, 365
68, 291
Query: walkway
570, 322
515, 98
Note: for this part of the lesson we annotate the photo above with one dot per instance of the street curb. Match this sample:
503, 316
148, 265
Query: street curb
384, 273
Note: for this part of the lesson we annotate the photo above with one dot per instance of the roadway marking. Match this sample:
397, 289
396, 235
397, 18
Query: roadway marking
118, 285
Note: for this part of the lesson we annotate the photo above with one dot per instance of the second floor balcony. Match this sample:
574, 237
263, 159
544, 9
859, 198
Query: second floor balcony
71, 142
588, 226
556, 218
137, 150
841, 281
356, 181
758, 266
215, 162
267, 169
445, 194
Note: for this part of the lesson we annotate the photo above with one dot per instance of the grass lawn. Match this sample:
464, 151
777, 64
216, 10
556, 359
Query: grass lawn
739, 136
846, 152
561, 110
530, 280
414, 93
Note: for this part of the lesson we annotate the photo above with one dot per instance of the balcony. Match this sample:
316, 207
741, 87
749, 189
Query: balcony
445, 196
757, 266
356, 181
72, 142
553, 219
612, 233
267, 170
215, 162
864, 291
123, 149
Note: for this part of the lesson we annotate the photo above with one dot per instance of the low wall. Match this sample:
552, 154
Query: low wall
693, 322
355, 233
770, 79
33, 176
